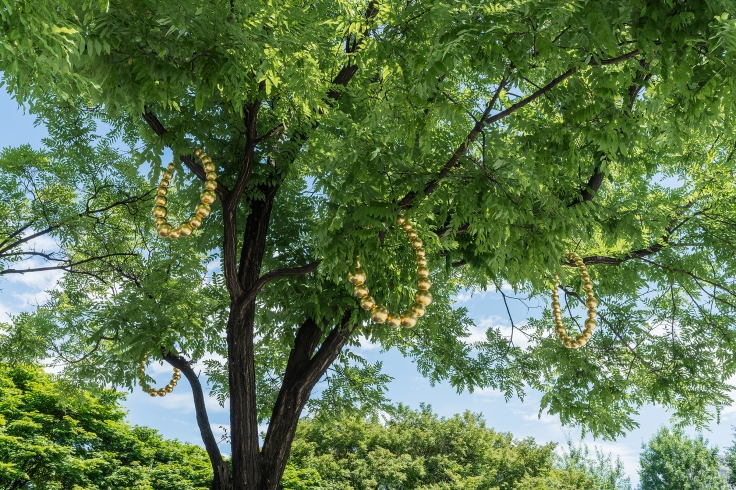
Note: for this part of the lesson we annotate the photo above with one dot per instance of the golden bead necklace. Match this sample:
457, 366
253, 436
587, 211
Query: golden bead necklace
590, 324
165, 229
153, 391
379, 313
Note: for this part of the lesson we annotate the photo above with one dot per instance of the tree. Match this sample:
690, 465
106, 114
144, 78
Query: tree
671, 459
606, 473
730, 463
418, 450
51, 437
507, 133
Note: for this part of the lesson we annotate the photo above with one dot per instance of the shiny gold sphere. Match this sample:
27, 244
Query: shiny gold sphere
211, 176
424, 283
421, 253
393, 320
202, 210
207, 197
367, 303
412, 235
416, 244
174, 233
591, 303
206, 159
379, 314
169, 389
164, 183
198, 152
161, 392
168, 175
210, 185
423, 297
164, 230
152, 392
195, 221
171, 166
592, 313
360, 291
209, 167
161, 191
176, 377
408, 319
588, 286
555, 305
159, 212
580, 341
159, 221
160, 201
423, 272
590, 323
422, 262
569, 343
407, 227
418, 310
185, 229
590, 294
357, 277
400, 221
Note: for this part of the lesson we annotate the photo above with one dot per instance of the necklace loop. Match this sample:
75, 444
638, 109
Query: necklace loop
591, 303
379, 313
165, 229
153, 391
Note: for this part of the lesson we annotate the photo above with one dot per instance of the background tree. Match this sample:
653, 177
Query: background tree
672, 460
419, 450
53, 437
508, 133
608, 474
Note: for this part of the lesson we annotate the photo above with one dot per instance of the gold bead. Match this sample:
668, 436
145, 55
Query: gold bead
555, 305
580, 341
161, 392
176, 377
367, 303
560, 331
408, 319
206, 158
588, 286
198, 152
169, 389
177, 370
185, 230
423, 297
379, 314
591, 303
164, 230
412, 235
393, 320
160, 201
568, 343
209, 167
202, 210
357, 277
174, 233
159, 221
590, 294
161, 191
164, 183
171, 166
407, 227
195, 221
418, 310
422, 262
592, 313
423, 272
168, 175
360, 291
207, 197
211, 176
152, 392
159, 212
421, 253
590, 323
415, 244
210, 185
424, 283
400, 220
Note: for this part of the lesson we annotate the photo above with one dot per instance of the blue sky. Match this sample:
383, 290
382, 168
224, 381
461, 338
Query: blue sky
174, 414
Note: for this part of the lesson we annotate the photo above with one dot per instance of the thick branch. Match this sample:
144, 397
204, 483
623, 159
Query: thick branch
276, 274
220, 467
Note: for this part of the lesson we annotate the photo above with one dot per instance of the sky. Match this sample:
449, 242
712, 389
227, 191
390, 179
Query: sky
174, 417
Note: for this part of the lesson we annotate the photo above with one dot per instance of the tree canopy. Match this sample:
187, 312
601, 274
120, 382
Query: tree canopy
52, 436
509, 133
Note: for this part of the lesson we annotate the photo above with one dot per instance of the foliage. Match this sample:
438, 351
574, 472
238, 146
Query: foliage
730, 463
419, 450
672, 460
508, 132
607, 474
53, 438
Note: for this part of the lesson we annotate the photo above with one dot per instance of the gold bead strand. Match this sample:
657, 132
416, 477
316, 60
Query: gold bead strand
379, 313
153, 391
590, 302
202, 211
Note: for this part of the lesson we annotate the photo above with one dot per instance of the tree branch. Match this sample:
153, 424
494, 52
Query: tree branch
66, 267
277, 274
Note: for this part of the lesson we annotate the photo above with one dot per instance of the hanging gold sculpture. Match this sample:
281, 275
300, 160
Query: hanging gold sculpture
153, 391
379, 313
184, 229
590, 302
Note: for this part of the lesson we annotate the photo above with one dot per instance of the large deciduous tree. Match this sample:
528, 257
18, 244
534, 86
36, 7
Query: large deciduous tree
508, 132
